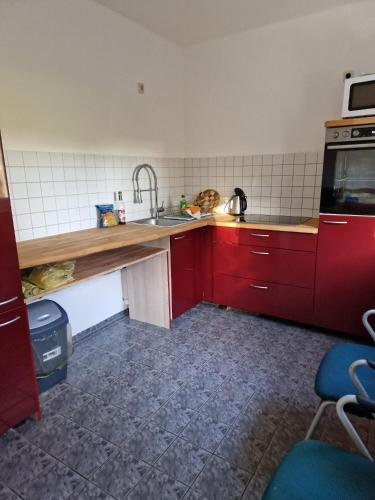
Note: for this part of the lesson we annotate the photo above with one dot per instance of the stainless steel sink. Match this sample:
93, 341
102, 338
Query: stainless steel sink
151, 221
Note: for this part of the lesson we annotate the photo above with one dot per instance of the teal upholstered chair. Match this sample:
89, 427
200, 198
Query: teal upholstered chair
344, 370
313, 470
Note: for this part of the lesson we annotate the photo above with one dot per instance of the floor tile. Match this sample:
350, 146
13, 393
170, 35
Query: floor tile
11, 443
117, 425
128, 375
183, 461
89, 491
90, 413
205, 432
120, 474
140, 402
192, 394
173, 416
67, 401
220, 480
59, 434
88, 454
7, 494
24, 466
135, 374
57, 483
222, 409
158, 485
149, 442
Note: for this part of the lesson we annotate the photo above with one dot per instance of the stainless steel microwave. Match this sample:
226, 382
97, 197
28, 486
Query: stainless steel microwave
359, 96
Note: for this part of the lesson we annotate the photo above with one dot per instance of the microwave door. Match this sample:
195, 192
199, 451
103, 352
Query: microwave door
359, 96
348, 182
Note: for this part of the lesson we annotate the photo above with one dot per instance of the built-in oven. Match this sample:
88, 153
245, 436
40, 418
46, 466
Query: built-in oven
348, 182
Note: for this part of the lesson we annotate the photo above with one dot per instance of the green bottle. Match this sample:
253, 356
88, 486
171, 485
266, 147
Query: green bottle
183, 202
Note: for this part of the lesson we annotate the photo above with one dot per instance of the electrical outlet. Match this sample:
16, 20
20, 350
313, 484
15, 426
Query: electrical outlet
140, 88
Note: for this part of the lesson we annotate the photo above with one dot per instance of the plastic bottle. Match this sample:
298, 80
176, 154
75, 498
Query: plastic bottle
121, 209
183, 202
115, 205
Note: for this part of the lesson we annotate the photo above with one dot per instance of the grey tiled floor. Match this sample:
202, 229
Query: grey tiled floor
204, 411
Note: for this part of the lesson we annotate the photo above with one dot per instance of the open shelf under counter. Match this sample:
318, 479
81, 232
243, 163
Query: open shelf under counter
106, 262
144, 275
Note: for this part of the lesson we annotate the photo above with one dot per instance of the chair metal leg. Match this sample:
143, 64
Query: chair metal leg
323, 405
349, 426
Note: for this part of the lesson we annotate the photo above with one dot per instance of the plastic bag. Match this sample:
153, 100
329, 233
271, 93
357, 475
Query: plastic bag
106, 216
49, 276
29, 290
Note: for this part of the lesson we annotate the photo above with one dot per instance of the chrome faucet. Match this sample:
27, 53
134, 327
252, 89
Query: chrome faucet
153, 187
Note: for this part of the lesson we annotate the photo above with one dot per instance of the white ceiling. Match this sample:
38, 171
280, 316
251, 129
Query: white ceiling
188, 22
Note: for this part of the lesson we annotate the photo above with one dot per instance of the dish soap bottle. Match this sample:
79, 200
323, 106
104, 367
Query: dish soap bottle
183, 203
121, 209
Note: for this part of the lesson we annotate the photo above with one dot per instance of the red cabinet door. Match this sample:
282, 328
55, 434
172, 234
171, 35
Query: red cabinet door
18, 390
345, 272
186, 271
10, 284
207, 263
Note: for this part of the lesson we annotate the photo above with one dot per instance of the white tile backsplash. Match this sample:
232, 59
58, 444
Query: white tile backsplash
57, 192
286, 184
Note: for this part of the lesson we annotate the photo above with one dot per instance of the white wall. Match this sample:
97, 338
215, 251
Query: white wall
270, 90
69, 73
92, 301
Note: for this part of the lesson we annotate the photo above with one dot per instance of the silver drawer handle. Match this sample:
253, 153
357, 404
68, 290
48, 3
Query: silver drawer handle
260, 235
179, 237
335, 222
259, 253
260, 287
8, 301
10, 322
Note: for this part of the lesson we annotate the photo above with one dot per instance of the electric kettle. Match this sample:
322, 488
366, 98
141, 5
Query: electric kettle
237, 204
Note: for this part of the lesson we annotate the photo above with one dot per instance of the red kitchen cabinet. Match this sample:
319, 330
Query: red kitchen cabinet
18, 387
18, 390
10, 284
268, 272
345, 272
186, 271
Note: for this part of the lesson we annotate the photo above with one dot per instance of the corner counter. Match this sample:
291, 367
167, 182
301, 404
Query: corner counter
91, 241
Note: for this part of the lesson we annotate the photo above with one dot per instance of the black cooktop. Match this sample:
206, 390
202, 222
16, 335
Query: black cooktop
273, 219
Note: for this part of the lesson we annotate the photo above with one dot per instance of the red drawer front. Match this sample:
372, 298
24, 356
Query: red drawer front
18, 391
260, 237
276, 265
10, 284
284, 301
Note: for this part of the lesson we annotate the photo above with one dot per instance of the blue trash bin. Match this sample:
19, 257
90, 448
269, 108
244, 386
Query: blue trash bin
51, 342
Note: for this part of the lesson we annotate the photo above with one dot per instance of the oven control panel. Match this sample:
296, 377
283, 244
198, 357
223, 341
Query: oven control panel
350, 134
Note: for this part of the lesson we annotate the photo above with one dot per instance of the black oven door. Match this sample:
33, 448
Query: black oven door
348, 182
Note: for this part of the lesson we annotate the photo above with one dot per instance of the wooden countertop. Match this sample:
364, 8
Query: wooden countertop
90, 241
349, 122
